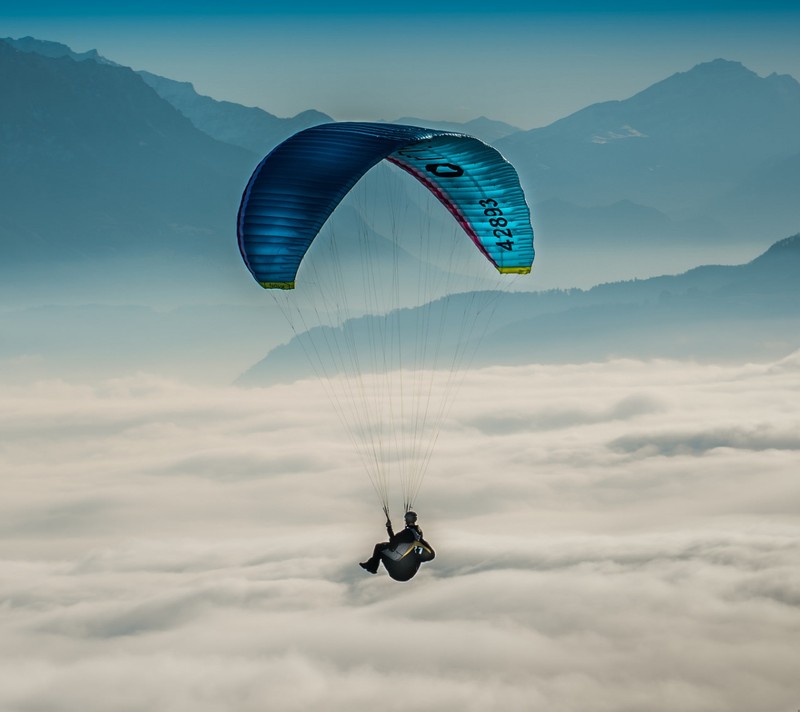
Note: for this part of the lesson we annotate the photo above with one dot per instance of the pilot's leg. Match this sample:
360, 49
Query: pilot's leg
371, 564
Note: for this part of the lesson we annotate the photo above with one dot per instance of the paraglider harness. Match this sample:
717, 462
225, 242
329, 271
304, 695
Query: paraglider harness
402, 558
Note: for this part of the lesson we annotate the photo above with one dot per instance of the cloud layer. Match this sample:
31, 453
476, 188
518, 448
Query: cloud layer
617, 536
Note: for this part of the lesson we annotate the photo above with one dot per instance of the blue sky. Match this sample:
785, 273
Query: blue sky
527, 64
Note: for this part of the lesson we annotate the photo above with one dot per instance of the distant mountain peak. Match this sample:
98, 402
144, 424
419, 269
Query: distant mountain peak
46, 47
55, 50
717, 72
312, 115
723, 64
724, 74
720, 67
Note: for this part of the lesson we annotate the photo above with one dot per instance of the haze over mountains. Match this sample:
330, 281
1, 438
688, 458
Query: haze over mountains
249, 127
704, 162
708, 313
122, 187
713, 149
487, 130
96, 165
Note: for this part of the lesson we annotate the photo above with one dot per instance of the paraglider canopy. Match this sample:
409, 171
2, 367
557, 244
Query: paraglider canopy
297, 186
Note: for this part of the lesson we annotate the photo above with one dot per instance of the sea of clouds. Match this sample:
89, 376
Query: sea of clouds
618, 536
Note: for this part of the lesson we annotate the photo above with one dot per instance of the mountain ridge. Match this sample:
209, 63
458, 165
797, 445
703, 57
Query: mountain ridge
251, 128
486, 129
702, 313
588, 188
700, 131
117, 168
248, 127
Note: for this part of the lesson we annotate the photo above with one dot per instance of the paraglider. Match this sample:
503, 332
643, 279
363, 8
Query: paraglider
378, 345
403, 553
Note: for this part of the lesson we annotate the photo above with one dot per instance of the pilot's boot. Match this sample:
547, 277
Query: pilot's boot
371, 564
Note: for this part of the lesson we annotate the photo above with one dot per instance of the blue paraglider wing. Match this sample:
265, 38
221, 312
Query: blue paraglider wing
299, 184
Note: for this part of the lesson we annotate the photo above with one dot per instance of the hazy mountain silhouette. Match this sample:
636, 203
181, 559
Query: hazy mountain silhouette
622, 223
679, 146
672, 146
94, 163
712, 312
55, 50
715, 312
704, 158
249, 127
772, 190
487, 130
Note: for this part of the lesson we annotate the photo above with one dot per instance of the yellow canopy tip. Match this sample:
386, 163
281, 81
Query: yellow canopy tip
277, 285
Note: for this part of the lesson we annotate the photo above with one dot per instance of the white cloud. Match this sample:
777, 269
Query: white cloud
611, 536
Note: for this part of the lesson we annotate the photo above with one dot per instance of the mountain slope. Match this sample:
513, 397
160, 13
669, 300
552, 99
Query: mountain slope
487, 130
54, 50
658, 182
713, 312
249, 127
95, 163
767, 199
674, 146
710, 312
